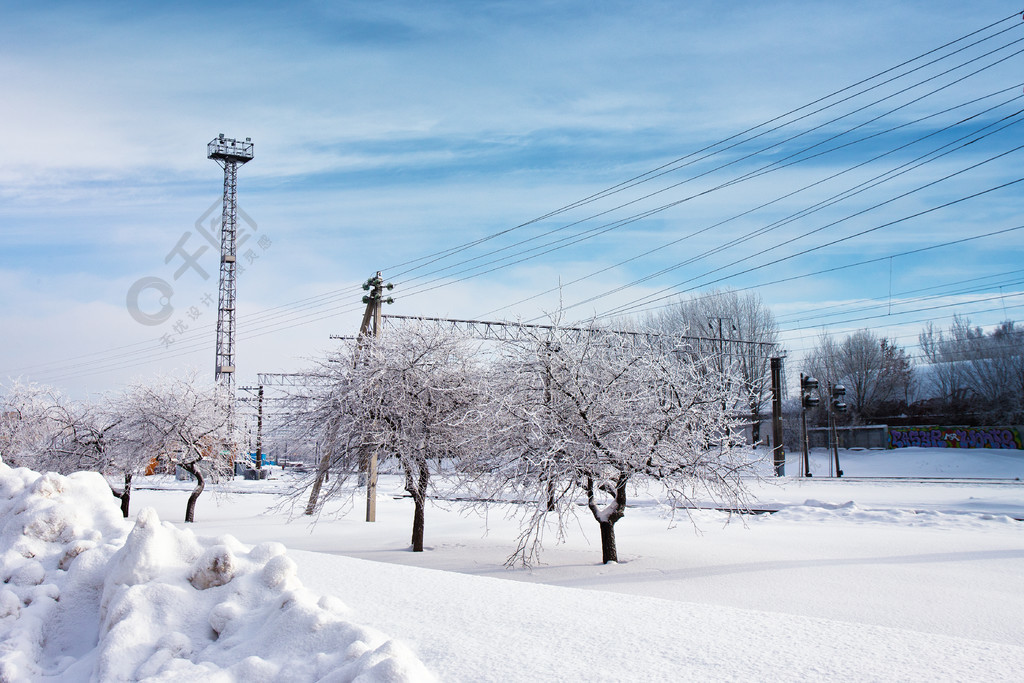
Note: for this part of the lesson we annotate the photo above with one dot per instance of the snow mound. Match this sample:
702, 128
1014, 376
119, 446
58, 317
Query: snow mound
86, 595
816, 511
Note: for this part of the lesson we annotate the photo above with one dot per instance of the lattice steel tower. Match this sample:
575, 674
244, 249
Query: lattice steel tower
229, 155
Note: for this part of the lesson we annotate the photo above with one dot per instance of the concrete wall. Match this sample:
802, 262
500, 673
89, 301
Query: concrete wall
927, 436
865, 436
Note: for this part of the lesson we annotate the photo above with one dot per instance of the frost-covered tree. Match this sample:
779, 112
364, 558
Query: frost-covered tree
591, 414
746, 335
29, 434
92, 440
43, 429
178, 420
945, 378
861, 367
411, 398
822, 362
984, 370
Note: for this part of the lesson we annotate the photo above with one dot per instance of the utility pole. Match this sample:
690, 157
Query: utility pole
259, 429
779, 454
371, 324
375, 286
721, 350
721, 340
835, 405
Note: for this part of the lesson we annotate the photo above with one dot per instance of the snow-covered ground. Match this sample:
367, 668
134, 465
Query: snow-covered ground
852, 579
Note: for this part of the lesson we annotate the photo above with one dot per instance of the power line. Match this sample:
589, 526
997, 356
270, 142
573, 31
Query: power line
792, 217
646, 214
856, 264
661, 169
617, 310
311, 308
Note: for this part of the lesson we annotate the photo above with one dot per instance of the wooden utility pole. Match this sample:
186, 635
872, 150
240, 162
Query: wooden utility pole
374, 301
371, 317
259, 429
779, 453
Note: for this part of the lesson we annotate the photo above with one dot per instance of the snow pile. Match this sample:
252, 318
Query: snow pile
86, 595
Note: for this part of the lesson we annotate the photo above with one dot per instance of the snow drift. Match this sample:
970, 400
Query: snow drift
86, 595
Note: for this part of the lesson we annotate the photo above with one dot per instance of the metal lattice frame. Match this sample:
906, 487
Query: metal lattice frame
504, 331
229, 155
284, 379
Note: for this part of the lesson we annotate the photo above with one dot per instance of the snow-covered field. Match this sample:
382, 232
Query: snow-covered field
852, 579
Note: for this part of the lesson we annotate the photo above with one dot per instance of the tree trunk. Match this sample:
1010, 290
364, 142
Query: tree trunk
126, 495
417, 526
190, 507
419, 496
612, 513
321, 477
608, 551
322, 470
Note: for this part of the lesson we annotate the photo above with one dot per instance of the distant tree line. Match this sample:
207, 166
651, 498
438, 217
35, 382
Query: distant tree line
964, 375
174, 421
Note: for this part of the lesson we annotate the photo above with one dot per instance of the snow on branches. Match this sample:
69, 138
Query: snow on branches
590, 414
411, 398
177, 420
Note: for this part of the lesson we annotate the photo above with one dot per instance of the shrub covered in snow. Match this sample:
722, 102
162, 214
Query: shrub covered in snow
87, 595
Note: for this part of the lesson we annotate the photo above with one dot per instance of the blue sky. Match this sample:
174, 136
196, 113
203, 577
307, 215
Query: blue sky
388, 131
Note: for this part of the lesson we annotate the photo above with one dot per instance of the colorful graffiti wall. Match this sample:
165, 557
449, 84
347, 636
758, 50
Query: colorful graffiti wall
955, 437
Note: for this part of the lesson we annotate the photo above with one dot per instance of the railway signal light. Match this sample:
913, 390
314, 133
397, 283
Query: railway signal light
838, 405
807, 385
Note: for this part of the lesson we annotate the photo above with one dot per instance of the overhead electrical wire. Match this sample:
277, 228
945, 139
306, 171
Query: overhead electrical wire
675, 291
311, 308
931, 297
899, 298
930, 319
674, 165
743, 177
823, 203
142, 357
